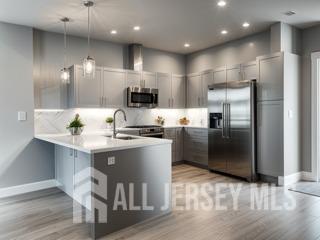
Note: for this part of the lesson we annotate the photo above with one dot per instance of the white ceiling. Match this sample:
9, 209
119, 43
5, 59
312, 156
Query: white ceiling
165, 24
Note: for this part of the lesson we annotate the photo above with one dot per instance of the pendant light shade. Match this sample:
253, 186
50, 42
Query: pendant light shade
89, 64
64, 72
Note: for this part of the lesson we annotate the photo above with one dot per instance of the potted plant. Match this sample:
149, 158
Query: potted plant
109, 121
160, 120
76, 126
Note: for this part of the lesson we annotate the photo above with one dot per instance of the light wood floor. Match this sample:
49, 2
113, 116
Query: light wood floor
48, 215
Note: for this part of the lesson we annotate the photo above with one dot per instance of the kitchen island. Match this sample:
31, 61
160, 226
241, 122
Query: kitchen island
120, 182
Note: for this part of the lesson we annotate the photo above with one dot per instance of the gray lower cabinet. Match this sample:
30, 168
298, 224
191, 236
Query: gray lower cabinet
176, 135
195, 147
270, 138
71, 167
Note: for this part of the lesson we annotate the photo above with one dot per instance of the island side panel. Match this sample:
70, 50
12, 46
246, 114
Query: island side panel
150, 165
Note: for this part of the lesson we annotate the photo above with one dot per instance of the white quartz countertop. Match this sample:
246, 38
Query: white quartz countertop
99, 142
185, 126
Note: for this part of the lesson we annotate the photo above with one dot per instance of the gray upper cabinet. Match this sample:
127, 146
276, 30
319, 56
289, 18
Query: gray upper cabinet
178, 91
249, 70
194, 90
270, 77
149, 80
85, 92
234, 73
207, 79
133, 78
164, 86
114, 81
220, 75
270, 138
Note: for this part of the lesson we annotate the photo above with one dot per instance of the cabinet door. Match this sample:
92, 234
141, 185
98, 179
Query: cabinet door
133, 79
249, 71
207, 79
113, 87
270, 80
178, 91
220, 75
149, 80
193, 91
179, 144
234, 73
270, 138
164, 86
88, 91
64, 160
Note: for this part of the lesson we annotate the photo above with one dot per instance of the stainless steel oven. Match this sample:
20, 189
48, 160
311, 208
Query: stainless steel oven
142, 97
153, 131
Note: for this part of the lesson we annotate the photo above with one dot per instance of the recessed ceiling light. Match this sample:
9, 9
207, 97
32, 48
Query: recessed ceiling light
221, 3
187, 45
136, 28
246, 24
224, 32
113, 32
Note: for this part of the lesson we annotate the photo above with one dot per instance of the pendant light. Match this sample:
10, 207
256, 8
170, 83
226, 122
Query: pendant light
64, 73
89, 63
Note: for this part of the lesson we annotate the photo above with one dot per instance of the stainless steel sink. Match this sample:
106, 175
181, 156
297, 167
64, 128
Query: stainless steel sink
124, 138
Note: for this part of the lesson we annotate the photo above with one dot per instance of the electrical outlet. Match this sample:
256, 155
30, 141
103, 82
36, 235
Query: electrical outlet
111, 160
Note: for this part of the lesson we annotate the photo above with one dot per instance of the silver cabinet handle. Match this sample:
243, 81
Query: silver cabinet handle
75, 153
199, 101
71, 152
172, 102
168, 102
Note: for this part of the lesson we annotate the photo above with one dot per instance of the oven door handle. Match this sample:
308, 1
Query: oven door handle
151, 134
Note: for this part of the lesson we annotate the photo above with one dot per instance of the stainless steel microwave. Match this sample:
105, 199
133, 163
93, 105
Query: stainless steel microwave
142, 97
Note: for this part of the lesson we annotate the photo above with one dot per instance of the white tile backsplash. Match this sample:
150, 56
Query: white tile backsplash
47, 122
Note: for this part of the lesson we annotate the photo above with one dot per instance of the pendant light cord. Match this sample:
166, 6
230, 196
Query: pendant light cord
65, 44
88, 30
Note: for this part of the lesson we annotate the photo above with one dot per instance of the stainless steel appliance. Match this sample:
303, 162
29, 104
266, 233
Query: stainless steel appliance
142, 97
232, 128
149, 130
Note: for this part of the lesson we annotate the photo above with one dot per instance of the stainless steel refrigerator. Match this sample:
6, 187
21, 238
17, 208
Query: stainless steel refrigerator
232, 128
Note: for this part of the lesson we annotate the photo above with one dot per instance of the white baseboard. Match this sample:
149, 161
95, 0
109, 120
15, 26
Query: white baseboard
26, 188
296, 177
308, 176
290, 179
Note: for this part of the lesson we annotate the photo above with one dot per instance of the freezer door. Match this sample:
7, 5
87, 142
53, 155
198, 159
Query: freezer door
239, 128
217, 147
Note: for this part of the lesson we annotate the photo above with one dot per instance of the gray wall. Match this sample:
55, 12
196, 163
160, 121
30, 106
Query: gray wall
310, 43
48, 60
22, 159
235, 52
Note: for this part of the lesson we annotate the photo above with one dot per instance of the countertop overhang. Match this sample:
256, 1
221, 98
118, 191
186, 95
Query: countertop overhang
99, 142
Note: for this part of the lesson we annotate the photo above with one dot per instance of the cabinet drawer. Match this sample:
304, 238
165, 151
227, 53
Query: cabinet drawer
196, 132
170, 133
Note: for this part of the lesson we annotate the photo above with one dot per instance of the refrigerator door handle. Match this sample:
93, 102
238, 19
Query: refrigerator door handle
228, 120
223, 119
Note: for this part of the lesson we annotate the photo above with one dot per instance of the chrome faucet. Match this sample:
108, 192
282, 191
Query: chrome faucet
114, 121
